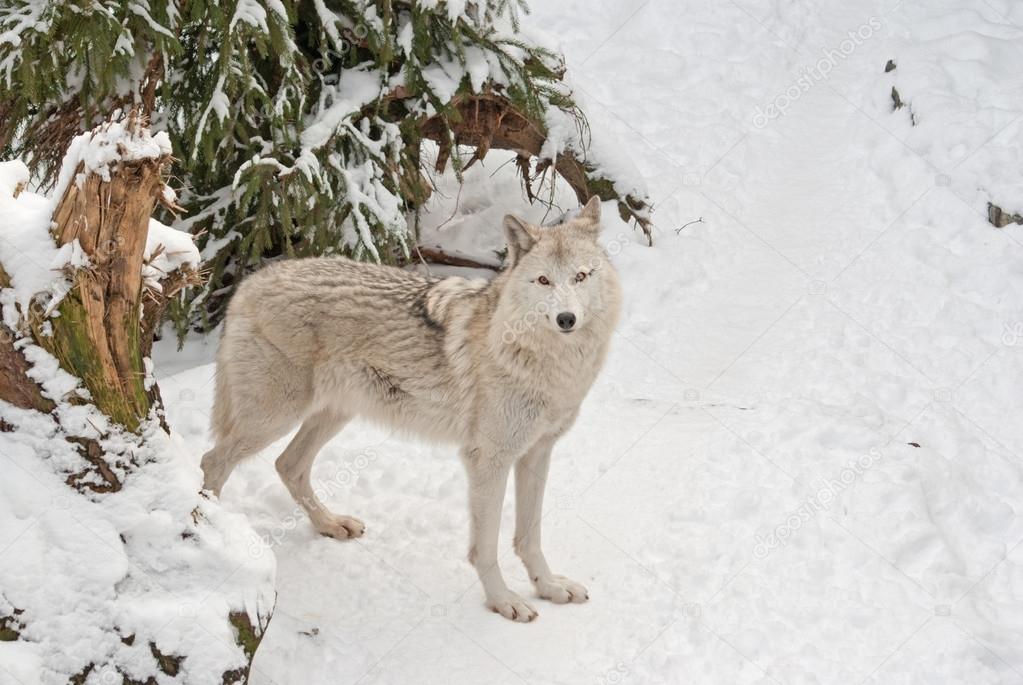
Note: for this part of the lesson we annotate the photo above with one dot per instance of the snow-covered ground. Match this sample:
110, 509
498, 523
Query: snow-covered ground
802, 463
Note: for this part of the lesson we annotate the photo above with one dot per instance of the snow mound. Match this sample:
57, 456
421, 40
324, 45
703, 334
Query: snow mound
106, 145
94, 582
29, 255
167, 249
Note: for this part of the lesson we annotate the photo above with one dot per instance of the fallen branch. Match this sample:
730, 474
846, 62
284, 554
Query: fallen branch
435, 255
489, 121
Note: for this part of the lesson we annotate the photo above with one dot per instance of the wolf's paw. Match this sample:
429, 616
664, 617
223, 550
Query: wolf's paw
561, 590
512, 607
340, 527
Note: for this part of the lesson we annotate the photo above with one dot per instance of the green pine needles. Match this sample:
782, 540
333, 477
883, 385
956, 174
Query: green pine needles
297, 124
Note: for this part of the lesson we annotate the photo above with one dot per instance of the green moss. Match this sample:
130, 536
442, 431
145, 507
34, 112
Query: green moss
247, 636
78, 355
137, 382
11, 626
168, 663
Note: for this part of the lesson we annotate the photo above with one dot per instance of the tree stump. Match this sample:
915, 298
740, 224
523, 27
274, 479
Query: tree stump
99, 334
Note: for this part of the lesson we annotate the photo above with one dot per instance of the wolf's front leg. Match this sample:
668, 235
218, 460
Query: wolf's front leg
488, 478
530, 482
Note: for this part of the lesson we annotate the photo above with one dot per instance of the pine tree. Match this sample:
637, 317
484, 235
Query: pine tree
298, 123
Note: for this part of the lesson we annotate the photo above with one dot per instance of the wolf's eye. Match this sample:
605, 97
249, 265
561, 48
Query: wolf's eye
581, 276
542, 280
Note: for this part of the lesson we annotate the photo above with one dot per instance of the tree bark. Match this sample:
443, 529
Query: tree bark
97, 336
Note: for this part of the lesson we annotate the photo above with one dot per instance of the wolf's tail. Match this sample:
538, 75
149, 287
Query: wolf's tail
223, 413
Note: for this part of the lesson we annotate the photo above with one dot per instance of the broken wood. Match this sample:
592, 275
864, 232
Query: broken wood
488, 121
97, 336
435, 255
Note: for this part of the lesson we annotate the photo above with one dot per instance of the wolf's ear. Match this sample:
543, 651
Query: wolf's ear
591, 212
588, 218
519, 236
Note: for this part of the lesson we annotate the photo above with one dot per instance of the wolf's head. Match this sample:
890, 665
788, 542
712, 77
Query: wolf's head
559, 279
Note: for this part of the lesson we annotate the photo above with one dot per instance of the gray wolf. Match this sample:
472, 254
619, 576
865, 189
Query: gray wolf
498, 368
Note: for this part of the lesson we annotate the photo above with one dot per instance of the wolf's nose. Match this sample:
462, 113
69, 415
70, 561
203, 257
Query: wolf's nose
566, 320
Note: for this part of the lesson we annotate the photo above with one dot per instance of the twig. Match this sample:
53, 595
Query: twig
423, 261
454, 212
695, 221
501, 166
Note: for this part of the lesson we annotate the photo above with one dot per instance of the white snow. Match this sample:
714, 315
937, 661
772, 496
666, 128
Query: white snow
167, 249
405, 33
740, 493
27, 250
355, 89
142, 10
156, 561
329, 19
219, 104
251, 12
802, 463
15, 21
104, 146
462, 218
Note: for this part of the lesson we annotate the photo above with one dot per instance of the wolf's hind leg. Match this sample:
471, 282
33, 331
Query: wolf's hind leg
295, 466
219, 462
217, 465
250, 411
